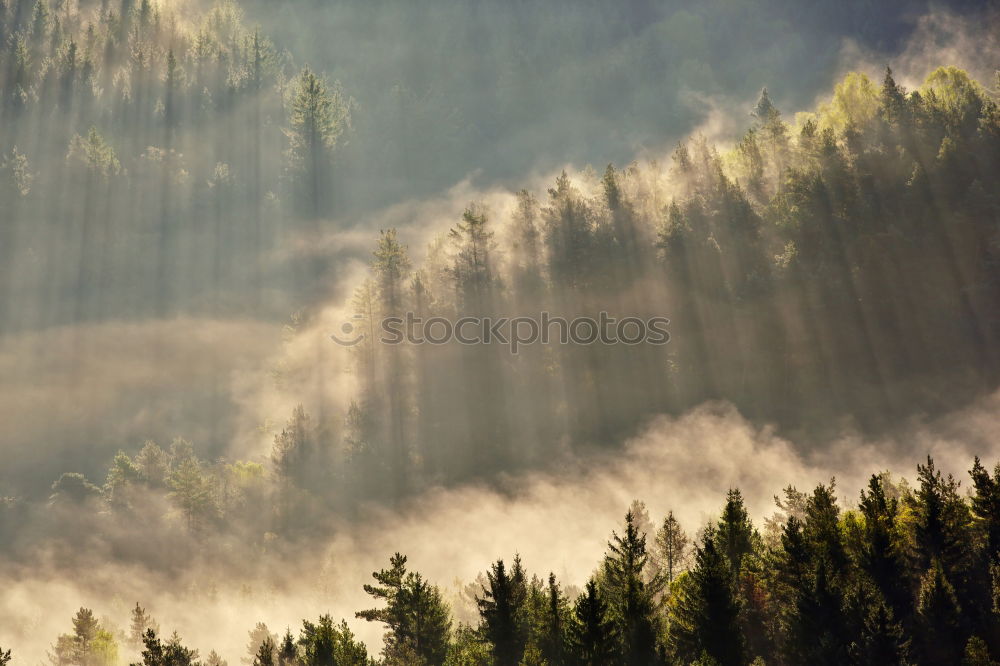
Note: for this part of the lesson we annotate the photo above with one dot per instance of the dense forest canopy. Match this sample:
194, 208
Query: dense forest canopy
196, 199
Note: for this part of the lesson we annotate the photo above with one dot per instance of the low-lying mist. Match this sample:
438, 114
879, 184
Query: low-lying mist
557, 521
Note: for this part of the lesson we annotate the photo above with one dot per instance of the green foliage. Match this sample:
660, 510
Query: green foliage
977, 653
855, 102
501, 611
318, 115
417, 619
631, 595
261, 646
473, 269
171, 653
908, 577
88, 645
594, 641
703, 616
141, 622
671, 549
468, 649
192, 491
327, 644
94, 153
73, 487
265, 655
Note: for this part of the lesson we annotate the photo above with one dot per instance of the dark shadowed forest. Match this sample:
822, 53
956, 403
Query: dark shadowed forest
199, 204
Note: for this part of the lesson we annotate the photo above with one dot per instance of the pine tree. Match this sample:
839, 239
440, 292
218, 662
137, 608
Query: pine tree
391, 266
941, 525
882, 640
942, 633
85, 629
704, 614
287, 654
141, 622
822, 531
265, 653
764, 110
554, 638
671, 548
318, 116
500, 610
191, 490
880, 557
416, 617
327, 644
294, 448
260, 636
631, 597
819, 631
171, 84
172, 653
736, 536
473, 270
986, 506
214, 659
593, 632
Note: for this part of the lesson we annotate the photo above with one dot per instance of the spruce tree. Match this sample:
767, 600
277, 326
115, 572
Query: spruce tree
318, 116
632, 598
500, 610
705, 615
593, 631
287, 653
942, 631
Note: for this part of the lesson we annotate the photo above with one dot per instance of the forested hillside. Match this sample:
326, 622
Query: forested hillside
866, 230
152, 156
906, 575
846, 263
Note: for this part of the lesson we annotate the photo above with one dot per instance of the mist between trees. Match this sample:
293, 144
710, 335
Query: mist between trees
908, 576
691, 235
839, 263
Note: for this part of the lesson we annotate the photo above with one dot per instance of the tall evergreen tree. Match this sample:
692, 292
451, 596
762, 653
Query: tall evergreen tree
265, 653
671, 548
140, 623
704, 614
632, 597
416, 618
318, 116
500, 610
593, 631
287, 653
